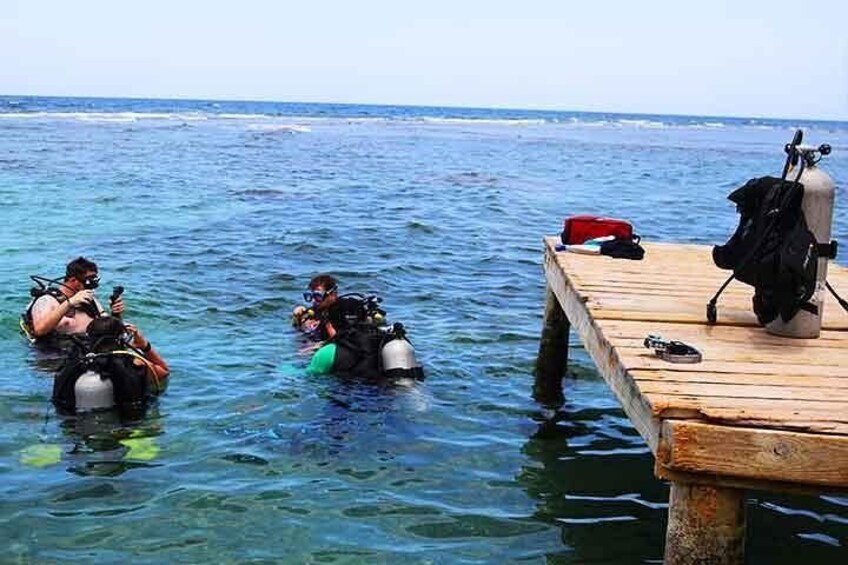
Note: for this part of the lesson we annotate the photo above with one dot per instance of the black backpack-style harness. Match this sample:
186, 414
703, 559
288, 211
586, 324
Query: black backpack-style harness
130, 383
773, 249
45, 286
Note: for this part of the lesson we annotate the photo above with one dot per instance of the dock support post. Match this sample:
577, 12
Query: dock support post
553, 353
706, 525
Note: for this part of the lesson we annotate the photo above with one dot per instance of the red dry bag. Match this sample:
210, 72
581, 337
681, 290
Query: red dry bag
582, 228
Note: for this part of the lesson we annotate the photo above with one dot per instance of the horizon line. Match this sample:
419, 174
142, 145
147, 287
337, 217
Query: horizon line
405, 105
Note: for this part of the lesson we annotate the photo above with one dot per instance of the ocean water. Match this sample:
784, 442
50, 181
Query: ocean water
214, 215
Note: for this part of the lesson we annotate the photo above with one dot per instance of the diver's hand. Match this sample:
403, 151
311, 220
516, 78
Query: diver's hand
138, 340
117, 307
82, 296
297, 315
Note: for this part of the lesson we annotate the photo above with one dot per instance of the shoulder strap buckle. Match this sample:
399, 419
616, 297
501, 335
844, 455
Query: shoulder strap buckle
827, 250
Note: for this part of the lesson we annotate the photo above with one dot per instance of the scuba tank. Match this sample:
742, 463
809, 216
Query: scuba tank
782, 244
93, 392
397, 356
817, 207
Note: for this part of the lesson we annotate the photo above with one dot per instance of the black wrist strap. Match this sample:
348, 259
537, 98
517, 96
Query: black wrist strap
147, 348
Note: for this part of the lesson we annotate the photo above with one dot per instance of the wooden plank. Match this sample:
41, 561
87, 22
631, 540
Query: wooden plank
742, 369
780, 390
692, 310
605, 358
685, 271
721, 334
664, 404
739, 352
769, 455
821, 385
728, 318
798, 415
678, 257
727, 481
656, 291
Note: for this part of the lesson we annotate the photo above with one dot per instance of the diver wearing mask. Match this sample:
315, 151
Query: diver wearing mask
69, 308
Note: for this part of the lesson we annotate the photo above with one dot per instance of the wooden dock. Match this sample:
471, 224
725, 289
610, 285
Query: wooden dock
759, 412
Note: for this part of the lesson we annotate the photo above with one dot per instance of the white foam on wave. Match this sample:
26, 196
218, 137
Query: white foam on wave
704, 125
591, 123
642, 123
482, 121
279, 128
242, 116
106, 116
114, 119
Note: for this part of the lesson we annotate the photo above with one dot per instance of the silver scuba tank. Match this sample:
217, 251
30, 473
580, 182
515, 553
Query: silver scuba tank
93, 393
817, 205
398, 356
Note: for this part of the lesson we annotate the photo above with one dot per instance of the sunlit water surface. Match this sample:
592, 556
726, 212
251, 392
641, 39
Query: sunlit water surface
215, 215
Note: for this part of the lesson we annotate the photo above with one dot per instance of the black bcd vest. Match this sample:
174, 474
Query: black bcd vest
773, 249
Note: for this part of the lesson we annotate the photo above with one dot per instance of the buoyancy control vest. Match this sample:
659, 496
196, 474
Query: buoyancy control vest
370, 353
128, 382
52, 340
772, 249
358, 353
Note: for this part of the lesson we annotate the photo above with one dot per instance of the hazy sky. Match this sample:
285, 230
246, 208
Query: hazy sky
771, 58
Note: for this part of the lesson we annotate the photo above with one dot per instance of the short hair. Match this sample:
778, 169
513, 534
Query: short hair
105, 332
323, 280
79, 267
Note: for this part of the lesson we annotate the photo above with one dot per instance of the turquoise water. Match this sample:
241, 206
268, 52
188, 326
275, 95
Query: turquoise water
214, 215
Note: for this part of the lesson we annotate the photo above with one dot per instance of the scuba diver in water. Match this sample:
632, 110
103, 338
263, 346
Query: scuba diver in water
57, 312
356, 341
115, 367
327, 312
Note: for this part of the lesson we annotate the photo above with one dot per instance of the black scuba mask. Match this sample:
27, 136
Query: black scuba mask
91, 282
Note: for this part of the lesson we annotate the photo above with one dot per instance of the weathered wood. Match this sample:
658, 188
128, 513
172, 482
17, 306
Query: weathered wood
821, 385
706, 526
747, 368
728, 481
770, 455
610, 367
552, 361
760, 411
750, 336
765, 414
684, 271
759, 380
768, 354
826, 399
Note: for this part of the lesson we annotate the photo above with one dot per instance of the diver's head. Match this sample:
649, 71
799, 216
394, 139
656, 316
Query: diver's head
323, 290
81, 274
106, 333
